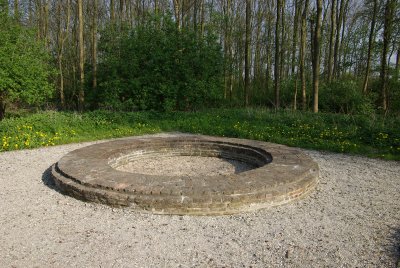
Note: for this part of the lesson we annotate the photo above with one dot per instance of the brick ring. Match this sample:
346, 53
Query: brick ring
279, 175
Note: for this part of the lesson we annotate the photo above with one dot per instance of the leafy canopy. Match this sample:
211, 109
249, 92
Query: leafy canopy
156, 66
24, 64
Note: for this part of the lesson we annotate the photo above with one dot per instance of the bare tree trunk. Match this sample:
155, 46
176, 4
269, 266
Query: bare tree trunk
2, 106
302, 55
94, 44
16, 11
247, 53
195, 5
295, 33
337, 39
81, 96
63, 34
30, 13
112, 11
257, 57
397, 68
387, 33
283, 43
177, 9
370, 46
331, 40
227, 47
203, 14
277, 53
46, 23
341, 53
269, 48
295, 93
121, 10
316, 65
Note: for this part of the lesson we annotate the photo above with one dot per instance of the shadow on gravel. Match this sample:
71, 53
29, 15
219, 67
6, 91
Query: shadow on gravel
48, 180
394, 247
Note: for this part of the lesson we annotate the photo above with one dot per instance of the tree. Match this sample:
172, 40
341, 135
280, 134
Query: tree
24, 68
387, 33
297, 10
81, 97
303, 38
157, 66
370, 45
247, 53
94, 44
316, 53
331, 40
339, 21
277, 53
62, 36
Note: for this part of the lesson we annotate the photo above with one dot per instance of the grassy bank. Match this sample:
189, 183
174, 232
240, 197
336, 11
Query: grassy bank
372, 136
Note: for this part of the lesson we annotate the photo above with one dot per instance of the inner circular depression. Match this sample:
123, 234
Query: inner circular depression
184, 166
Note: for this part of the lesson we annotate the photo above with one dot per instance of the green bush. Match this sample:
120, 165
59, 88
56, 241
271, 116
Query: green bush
344, 96
24, 66
157, 66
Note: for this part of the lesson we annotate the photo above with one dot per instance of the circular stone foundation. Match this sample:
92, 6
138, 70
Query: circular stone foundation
187, 174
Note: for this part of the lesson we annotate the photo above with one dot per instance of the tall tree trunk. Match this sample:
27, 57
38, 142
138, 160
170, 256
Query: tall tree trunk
317, 40
257, 57
342, 53
295, 33
247, 53
195, 16
81, 96
397, 68
30, 13
277, 53
94, 44
46, 23
339, 20
371, 42
331, 40
387, 33
282, 43
302, 54
16, 11
2, 106
177, 12
112, 11
63, 34
269, 50
227, 47
121, 11
203, 15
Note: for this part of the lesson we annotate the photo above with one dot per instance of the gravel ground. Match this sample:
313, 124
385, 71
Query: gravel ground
184, 166
352, 219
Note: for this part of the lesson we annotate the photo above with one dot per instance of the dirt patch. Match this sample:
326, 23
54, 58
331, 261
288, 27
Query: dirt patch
184, 166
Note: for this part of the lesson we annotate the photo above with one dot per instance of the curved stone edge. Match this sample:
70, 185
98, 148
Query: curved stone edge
156, 204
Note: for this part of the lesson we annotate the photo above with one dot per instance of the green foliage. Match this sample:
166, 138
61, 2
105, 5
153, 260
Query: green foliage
394, 95
344, 96
24, 65
158, 67
374, 136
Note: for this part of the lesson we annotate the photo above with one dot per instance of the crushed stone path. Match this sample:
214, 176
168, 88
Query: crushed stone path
352, 219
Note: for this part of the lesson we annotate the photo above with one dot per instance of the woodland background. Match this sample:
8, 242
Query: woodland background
339, 56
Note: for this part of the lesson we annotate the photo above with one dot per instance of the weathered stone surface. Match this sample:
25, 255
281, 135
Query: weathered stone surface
281, 174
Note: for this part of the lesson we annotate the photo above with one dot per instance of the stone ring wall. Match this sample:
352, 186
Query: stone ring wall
280, 174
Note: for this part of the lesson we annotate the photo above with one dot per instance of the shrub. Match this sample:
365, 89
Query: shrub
156, 66
344, 96
24, 66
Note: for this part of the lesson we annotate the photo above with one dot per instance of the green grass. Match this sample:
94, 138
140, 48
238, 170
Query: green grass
372, 136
